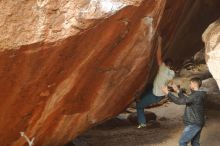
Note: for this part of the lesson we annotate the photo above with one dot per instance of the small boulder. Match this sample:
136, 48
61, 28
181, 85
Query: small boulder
150, 117
199, 57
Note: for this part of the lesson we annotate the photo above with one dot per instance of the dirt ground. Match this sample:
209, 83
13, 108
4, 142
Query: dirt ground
163, 132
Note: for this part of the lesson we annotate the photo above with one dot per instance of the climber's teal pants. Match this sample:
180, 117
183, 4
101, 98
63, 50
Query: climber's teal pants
148, 98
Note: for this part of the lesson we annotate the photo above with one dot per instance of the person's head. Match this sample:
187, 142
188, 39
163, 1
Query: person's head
169, 63
195, 83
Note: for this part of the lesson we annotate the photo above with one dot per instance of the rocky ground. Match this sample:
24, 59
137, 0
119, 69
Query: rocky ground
165, 126
163, 132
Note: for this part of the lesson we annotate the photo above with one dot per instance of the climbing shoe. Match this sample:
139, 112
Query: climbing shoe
141, 126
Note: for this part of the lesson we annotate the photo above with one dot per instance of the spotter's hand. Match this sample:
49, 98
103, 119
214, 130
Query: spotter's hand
175, 87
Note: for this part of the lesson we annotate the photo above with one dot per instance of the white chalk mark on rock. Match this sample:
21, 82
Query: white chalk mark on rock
30, 142
149, 21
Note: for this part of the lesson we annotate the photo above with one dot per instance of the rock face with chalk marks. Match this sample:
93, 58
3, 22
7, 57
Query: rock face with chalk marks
68, 65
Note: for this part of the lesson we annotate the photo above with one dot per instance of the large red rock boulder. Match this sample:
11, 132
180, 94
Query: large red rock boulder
211, 37
67, 65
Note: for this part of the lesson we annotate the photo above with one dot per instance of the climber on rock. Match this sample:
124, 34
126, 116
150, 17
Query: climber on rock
194, 117
152, 96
